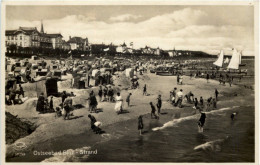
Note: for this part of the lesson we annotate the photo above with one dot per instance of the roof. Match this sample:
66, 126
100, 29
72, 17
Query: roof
76, 40
54, 35
25, 30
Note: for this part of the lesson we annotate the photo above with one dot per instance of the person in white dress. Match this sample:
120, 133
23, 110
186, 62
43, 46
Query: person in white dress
119, 103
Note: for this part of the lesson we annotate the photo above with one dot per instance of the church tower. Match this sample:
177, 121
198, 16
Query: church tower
42, 30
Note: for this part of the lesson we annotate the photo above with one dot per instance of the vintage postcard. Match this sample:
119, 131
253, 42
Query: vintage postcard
129, 82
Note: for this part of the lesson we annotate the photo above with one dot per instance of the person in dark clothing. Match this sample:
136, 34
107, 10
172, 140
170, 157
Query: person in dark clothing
92, 121
100, 93
216, 94
93, 103
110, 94
214, 102
140, 124
209, 103
159, 104
63, 97
128, 99
196, 103
40, 103
207, 78
201, 101
94, 128
201, 121
153, 111
21, 91
51, 104
145, 90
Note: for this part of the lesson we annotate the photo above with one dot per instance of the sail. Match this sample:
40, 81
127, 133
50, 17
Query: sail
226, 60
240, 56
220, 59
234, 62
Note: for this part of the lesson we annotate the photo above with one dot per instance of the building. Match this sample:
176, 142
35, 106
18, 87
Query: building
56, 40
65, 45
124, 49
22, 37
78, 43
31, 37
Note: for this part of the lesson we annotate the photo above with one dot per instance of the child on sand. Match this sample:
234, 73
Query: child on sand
128, 99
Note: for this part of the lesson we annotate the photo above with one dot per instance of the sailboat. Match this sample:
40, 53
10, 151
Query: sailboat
235, 60
220, 59
226, 60
240, 57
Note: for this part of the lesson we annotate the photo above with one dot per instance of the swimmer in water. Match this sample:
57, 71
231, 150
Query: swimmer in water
201, 121
233, 115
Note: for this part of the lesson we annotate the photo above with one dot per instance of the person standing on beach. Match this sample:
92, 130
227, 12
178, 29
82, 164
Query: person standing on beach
40, 103
128, 99
207, 78
159, 104
119, 103
180, 79
51, 104
201, 121
216, 94
110, 94
105, 93
100, 93
140, 124
144, 90
153, 111
201, 101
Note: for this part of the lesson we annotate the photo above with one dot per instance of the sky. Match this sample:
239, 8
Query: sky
204, 28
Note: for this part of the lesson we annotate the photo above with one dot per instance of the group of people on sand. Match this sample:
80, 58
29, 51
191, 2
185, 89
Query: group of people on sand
13, 95
63, 109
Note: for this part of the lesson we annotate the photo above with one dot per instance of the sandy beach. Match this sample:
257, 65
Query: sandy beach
51, 128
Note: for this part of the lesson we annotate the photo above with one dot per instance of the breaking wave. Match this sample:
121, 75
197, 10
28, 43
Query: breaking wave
214, 145
174, 122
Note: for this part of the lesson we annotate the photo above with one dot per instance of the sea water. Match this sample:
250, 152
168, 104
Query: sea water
223, 140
